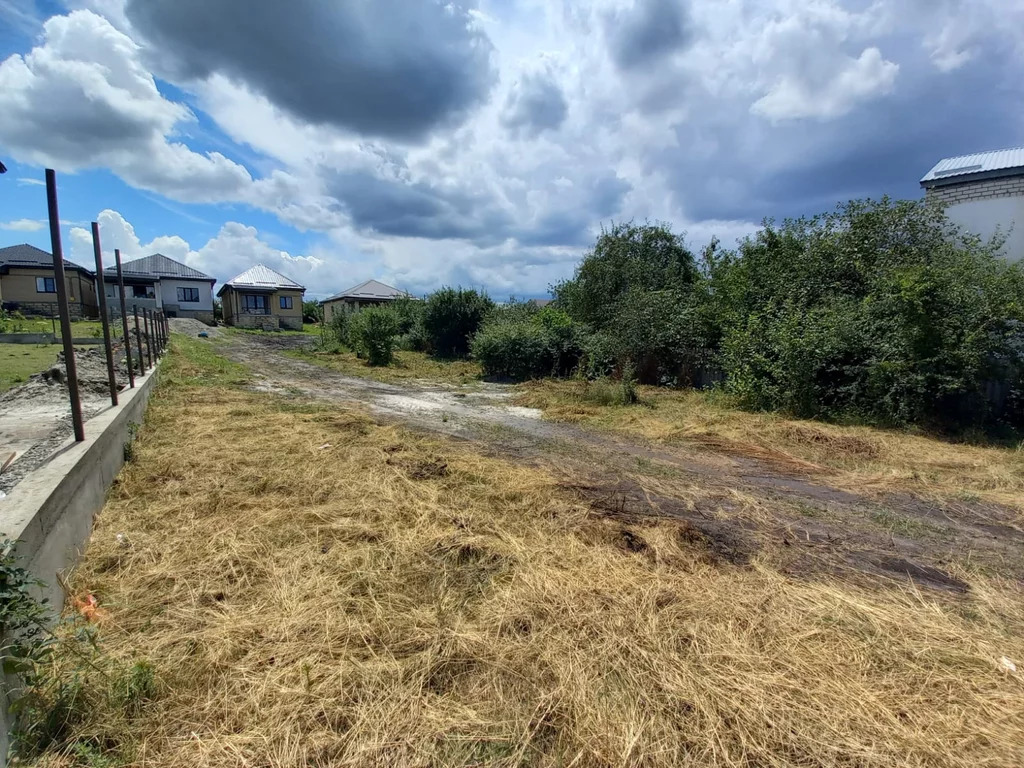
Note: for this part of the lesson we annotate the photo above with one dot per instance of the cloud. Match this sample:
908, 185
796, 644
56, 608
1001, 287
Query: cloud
378, 67
795, 97
536, 104
645, 32
82, 99
23, 225
24, 182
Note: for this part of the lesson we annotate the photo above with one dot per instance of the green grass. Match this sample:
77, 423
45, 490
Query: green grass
308, 329
196, 361
19, 361
407, 367
80, 329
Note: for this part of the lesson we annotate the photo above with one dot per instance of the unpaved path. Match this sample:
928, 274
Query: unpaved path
742, 508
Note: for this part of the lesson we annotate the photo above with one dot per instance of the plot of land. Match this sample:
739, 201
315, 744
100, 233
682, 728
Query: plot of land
332, 570
19, 361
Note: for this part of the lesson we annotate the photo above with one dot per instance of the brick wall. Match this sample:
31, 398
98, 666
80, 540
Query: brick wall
986, 189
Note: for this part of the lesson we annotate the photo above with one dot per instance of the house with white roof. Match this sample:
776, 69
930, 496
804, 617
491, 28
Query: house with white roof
371, 293
264, 299
983, 193
159, 282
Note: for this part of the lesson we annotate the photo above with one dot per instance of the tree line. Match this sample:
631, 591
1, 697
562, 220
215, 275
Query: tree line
880, 312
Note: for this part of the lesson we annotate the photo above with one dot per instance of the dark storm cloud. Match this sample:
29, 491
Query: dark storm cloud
759, 170
383, 67
646, 32
536, 104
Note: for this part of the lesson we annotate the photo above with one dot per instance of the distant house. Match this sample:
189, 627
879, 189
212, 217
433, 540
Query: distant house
262, 298
27, 284
540, 303
159, 282
983, 193
372, 293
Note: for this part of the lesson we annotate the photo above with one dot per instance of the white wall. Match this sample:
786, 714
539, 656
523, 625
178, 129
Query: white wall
169, 293
985, 217
114, 296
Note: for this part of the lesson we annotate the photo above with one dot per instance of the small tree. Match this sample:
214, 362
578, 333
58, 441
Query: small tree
451, 318
311, 312
372, 333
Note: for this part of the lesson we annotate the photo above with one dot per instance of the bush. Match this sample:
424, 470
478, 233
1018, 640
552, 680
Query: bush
522, 342
312, 312
451, 317
337, 330
881, 312
372, 334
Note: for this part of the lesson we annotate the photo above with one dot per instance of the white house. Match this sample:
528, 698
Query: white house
158, 282
983, 193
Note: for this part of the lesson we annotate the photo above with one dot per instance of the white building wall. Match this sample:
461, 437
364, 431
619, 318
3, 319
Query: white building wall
1004, 215
168, 290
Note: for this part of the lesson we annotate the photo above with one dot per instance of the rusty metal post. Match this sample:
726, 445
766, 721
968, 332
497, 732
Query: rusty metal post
149, 337
160, 331
167, 331
62, 305
138, 339
104, 318
124, 320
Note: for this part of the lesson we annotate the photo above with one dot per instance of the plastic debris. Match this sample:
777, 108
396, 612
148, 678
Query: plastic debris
325, 446
203, 335
122, 541
88, 607
1007, 666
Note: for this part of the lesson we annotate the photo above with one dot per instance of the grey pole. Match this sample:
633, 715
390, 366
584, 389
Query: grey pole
138, 338
98, 253
124, 320
62, 305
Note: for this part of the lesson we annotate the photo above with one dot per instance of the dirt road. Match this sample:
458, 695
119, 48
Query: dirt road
743, 508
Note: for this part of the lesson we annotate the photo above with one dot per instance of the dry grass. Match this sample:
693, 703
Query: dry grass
408, 367
859, 458
316, 589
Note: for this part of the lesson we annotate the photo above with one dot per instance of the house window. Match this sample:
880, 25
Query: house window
188, 294
143, 292
254, 304
46, 285
286, 302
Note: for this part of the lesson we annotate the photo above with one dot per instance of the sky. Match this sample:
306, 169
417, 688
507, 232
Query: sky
481, 144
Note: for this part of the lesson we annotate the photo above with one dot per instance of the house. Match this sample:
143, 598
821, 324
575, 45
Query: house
372, 293
262, 298
983, 193
159, 282
27, 284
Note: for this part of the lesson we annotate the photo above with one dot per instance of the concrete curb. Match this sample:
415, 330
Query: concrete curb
50, 512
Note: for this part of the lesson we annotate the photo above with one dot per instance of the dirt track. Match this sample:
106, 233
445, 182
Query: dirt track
743, 508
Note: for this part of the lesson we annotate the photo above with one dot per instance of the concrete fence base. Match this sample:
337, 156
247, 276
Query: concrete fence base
27, 338
50, 513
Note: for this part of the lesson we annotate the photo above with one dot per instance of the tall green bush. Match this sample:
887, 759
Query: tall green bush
451, 317
372, 334
521, 342
881, 311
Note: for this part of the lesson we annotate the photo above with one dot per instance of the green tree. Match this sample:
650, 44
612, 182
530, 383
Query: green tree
372, 334
451, 318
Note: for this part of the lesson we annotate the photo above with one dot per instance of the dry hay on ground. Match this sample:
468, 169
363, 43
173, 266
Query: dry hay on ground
310, 595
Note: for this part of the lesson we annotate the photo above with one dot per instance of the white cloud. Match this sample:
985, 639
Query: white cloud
23, 225
83, 99
24, 182
859, 80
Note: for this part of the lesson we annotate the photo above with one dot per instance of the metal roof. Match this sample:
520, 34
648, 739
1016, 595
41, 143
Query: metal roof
156, 266
261, 277
982, 165
371, 290
30, 257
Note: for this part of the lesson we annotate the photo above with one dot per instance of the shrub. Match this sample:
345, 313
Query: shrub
312, 312
451, 317
881, 312
337, 330
372, 334
628, 257
521, 342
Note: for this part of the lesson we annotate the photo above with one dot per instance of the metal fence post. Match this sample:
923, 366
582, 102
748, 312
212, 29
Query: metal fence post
102, 296
149, 337
138, 339
62, 305
124, 320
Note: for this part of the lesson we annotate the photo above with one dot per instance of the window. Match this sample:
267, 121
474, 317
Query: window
254, 304
188, 294
143, 292
286, 302
46, 285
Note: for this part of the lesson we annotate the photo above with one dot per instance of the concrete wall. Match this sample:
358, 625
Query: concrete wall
50, 512
27, 338
169, 294
987, 207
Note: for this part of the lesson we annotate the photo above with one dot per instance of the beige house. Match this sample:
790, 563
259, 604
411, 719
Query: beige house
372, 293
27, 284
264, 299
